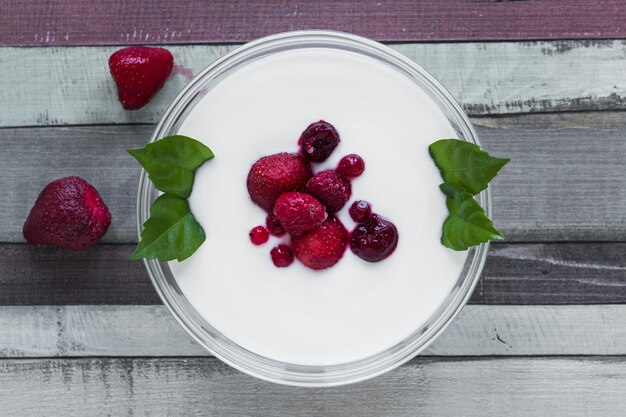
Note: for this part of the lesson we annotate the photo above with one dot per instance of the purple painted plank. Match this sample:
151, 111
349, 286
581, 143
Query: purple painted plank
91, 22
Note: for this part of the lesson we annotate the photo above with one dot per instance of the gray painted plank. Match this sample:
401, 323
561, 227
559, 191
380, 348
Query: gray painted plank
150, 331
32, 157
556, 273
564, 181
53, 85
561, 273
566, 177
51, 276
432, 387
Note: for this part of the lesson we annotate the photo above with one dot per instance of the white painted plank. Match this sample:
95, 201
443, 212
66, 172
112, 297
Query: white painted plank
48, 331
55, 85
512, 387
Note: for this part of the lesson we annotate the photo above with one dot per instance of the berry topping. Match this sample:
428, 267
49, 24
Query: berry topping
375, 239
298, 212
330, 189
323, 246
259, 235
68, 213
274, 226
282, 256
360, 211
140, 72
318, 141
276, 174
351, 166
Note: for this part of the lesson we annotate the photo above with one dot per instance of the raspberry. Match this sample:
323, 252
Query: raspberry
318, 141
298, 212
323, 246
330, 189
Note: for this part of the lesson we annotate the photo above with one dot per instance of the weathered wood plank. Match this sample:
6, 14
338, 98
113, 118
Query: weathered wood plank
57, 86
557, 273
150, 331
31, 158
563, 273
52, 276
141, 22
573, 386
564, 181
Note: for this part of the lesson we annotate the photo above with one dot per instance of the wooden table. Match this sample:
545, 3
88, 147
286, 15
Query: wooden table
84, 334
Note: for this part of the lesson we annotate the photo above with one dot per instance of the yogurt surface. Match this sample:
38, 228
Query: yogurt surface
355, 309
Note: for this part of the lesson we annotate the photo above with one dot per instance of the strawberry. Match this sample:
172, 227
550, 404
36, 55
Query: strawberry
330, 189
140, 72
68, 213
322, 247
276, 174
298, 212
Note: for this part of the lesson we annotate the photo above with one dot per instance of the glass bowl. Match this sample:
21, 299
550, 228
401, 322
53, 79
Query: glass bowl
227, 350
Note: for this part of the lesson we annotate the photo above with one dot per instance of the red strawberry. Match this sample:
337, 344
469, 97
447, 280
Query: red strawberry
68, 213
276, 174
298, 212
323, 246
330, 189
140, 72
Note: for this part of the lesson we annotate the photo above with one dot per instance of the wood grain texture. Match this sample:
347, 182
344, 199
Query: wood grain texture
564, 181
150, 331
50, 276
59, 86
562, 273
62, 22
31, 158
430, 387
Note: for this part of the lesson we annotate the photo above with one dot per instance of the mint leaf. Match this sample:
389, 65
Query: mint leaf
464, 164
170, 233
467, 225
171, 163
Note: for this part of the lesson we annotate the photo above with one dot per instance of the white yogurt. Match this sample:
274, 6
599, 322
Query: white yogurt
354, 309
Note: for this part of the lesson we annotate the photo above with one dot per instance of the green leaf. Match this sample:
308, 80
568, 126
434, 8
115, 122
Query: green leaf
171, 163
170, 233
467, 225
464, 164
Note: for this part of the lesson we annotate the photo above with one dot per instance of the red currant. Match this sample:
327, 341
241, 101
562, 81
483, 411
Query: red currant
259, 235
282, 256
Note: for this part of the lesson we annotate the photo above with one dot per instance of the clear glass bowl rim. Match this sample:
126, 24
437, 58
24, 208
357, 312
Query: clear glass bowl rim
295, 374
